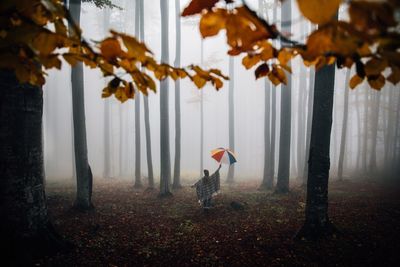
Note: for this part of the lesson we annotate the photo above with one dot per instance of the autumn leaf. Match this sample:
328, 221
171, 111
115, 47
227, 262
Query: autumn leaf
319, 11
198, 81
196, 6
261, 71
375, 66
110, 48
212, 22
355, 80
250, 60
376, 81
394, 77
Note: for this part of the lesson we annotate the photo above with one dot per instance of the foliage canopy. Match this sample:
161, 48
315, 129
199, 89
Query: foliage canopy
34, 36
369, 39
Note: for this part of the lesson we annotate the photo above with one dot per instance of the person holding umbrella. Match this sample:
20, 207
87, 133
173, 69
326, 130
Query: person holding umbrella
208, 185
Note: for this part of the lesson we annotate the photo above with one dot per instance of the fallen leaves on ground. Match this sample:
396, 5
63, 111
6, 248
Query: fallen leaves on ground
136, 228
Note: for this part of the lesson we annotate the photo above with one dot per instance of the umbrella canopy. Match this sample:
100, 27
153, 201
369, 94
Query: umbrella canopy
223, 155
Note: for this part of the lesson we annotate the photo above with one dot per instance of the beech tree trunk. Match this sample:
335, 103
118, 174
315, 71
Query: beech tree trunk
282, 185
231, 171
310, 101
165, 175
138, 181
84, 175
25, 229
107, 111
267, 182
374, 130
317, 223
177, 163
344, 126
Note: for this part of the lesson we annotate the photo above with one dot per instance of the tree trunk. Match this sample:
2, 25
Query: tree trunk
165, 175
282, 185
317, 222
231, 171
267, 182
201, 115
365, 133
149, 156
25, 229
374, 131
344, 126
107, 121
177, 63
84, 175
301, 130
138, 181
310, 102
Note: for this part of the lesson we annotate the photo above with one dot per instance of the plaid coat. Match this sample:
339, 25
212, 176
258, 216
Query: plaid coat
207, 186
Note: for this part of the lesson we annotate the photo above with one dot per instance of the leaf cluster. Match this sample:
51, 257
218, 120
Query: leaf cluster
34, 37
369, 40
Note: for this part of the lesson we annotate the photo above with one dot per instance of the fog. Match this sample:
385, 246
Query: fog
249, 109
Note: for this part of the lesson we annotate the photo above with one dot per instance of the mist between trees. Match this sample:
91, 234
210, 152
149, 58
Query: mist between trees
372, 142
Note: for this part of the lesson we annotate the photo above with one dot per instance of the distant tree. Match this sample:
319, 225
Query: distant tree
165, 175
138, 181
231, 171
282, 185
177, 163
376, 101
344, 126
107, 111
84, 175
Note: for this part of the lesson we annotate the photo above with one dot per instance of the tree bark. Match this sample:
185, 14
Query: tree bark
84, 175
344, 126
282, 185
374, 131
165, 175
107, 121
317, 223
267, 182
231, 172
177, 163
138, 181
310, 101
25, 229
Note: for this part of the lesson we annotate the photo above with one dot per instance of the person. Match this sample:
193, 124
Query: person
206, 187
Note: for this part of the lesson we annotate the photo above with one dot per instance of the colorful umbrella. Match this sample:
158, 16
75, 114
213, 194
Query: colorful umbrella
223, 155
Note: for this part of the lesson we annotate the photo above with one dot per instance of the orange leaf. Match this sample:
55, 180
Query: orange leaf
196, 6
212, 22
250, 60
355, 80
376, 81
110, 48
319, 11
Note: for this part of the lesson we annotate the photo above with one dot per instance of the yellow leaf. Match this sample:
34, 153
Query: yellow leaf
355, 80
250, 60
198, 81
267, 52
120, 94
71, 58
106, 92
51, 61
319, 11
284, 56
212, 22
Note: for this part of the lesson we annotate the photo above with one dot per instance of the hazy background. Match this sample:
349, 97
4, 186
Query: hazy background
249, 108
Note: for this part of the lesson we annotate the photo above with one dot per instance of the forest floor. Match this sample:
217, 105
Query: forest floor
136, 228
